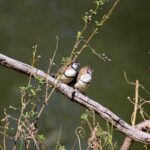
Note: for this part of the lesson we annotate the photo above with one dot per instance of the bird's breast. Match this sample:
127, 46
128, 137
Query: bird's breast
81, 86
70, 73
68, 76
85, 78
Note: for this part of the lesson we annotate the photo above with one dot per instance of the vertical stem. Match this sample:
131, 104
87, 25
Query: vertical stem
136, 102
5, 129
103, 20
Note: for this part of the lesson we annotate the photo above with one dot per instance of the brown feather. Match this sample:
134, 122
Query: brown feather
62, 69
82, 71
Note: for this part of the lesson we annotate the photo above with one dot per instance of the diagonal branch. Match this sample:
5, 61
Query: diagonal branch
143, 126
79, 98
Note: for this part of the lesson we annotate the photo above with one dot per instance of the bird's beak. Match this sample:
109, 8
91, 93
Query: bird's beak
77, 63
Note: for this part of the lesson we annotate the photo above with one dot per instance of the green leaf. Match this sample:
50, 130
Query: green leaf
79, 34
33, 92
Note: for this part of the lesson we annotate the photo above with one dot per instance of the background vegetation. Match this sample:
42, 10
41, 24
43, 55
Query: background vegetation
125, 38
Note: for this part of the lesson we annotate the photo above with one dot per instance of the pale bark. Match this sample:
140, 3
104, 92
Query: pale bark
78, 97
143, 126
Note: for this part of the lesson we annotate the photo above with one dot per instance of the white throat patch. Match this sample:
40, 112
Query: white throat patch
86, 78
70, 73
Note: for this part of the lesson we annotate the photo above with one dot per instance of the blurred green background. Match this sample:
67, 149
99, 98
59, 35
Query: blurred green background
125, 38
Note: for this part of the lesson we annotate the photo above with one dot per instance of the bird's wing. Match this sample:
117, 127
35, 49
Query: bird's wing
60, 70
73, 81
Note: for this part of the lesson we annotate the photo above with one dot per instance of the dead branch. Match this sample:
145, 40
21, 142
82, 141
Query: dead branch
78, 97
143, 126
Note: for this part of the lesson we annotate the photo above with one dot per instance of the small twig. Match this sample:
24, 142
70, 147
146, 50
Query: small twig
5, 129
103, 20
93, 141
36, 143
132, 83
143, 102
47, 97
102, 56
126, 78
88, 122
33, 60
134, 115
19, 122
58, 139
50, 65
78, 136
94, 122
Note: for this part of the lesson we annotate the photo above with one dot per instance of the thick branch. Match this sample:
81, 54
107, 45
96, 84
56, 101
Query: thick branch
78, 97
143, 126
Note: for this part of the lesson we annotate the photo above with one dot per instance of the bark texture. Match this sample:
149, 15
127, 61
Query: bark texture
78, 97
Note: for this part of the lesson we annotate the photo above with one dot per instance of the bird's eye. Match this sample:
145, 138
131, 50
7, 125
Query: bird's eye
74, 65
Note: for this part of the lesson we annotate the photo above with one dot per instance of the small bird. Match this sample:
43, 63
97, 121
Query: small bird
68, 74
84, 78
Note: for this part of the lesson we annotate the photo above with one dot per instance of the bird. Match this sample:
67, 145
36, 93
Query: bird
67, 74
84, 78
